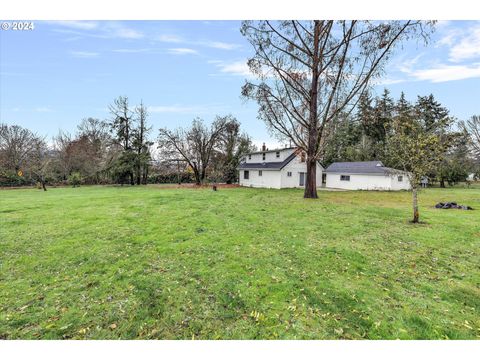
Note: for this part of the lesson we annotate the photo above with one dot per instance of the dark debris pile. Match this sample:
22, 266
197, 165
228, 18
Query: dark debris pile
452, 205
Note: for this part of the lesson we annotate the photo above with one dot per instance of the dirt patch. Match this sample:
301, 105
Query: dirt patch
193, 186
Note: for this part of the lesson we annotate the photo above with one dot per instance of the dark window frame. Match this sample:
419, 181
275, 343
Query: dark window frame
260, 173
277, 154
246, 175
263, 156
344, 177
400, 178
289, 173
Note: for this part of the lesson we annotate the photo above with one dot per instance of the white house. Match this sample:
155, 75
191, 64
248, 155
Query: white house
277, 169
365, 175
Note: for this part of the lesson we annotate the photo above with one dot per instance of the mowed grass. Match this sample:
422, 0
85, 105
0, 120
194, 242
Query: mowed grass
153, 263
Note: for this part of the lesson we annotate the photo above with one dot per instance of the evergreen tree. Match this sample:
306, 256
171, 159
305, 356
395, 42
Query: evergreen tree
122, 126
141, 144
432, 115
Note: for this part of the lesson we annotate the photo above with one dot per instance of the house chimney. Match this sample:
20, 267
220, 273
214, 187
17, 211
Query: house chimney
263, 147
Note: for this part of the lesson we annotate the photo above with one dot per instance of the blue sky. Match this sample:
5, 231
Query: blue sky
61, 72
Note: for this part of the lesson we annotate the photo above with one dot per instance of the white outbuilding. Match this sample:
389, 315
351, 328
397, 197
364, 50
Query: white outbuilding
276, 169
365, 175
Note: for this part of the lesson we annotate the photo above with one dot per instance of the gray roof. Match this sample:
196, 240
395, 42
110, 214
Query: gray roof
360, 167
275, 165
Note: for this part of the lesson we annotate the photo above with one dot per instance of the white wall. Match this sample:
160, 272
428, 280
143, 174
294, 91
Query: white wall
296, 167
367, 182
269, 156
278, 179
400, 185
269, 179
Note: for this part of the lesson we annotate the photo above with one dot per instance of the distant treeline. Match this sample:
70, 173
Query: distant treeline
119, 150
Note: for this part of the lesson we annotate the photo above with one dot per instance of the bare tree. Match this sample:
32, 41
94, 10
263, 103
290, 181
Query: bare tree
233, 146
40, 163
195, 144
122, 121
122, 126
61, 144
99, 142
472, 127
310, 71
17, 145
141, 144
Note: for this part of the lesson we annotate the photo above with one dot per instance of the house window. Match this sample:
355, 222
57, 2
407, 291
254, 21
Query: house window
400, 178
302, 157
259, 172
263, 156
246, 175
289, 173
344, 177
249, 157
277, 154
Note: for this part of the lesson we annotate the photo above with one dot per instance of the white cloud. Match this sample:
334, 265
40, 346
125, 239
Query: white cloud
443, 73
389, 81
131, 50
102, 30
169, 38
239, 68
182, 51
219, 45
467, 47
127, 33
79, 25
84, 54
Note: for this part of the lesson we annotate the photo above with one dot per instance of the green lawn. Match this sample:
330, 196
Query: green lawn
152, 263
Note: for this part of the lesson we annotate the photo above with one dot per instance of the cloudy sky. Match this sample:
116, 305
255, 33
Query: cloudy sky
61, 72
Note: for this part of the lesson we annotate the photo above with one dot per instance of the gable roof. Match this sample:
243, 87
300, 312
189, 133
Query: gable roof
361, 167
274, 165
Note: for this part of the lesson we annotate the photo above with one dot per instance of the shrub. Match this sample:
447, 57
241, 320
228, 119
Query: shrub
75, 179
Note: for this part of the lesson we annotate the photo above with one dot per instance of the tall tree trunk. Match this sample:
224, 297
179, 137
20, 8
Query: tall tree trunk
138, 175
203, 175
311, 181
416, 215
442, 183
145, 175
198, 179
132, 182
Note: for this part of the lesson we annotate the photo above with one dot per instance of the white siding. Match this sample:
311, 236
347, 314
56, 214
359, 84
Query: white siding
359, 182
269, 156
296, 167
279, 179
269, 179
400, 185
